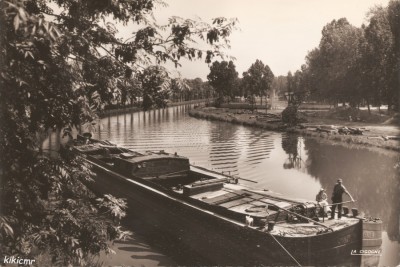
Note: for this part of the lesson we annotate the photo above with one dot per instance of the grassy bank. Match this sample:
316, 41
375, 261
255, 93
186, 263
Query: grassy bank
373, 136
228, 117
123, 110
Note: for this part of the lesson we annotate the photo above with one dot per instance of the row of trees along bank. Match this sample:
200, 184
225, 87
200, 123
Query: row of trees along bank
256, 81
154, 87
353, 65
61, 63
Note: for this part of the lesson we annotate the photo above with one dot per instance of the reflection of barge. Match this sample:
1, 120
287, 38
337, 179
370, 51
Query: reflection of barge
225, 222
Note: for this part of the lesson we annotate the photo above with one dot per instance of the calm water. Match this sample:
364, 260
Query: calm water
291, 165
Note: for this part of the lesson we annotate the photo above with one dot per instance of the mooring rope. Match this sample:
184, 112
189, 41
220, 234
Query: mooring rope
285, 249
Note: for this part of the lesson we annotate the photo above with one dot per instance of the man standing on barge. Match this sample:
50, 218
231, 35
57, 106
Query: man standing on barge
337, 199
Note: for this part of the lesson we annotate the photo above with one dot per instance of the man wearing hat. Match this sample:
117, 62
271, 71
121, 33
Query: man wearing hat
337, 199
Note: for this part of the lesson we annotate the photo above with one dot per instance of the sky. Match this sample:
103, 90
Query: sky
278, 32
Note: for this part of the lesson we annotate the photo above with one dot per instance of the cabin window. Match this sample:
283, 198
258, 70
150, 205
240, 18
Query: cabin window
134, 168
125, 165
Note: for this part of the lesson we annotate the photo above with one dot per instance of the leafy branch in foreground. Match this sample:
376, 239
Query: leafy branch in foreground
61, 62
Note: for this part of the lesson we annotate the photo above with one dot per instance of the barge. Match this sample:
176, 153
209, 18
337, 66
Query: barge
224, 221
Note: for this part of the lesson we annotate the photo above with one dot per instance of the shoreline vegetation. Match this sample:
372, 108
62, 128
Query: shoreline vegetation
374, 136
122, 110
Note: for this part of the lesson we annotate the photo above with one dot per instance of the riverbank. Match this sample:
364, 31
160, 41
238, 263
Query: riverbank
134, 251
374, 135
136, 109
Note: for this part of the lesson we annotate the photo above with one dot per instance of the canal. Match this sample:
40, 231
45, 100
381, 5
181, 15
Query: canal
292, 165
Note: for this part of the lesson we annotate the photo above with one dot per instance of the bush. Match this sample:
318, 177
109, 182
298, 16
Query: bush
218, 102
290, 115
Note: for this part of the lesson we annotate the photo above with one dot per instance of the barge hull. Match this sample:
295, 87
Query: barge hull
217, 239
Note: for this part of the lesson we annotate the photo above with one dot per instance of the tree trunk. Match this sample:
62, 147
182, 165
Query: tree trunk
393, 103
369, 109
398, 80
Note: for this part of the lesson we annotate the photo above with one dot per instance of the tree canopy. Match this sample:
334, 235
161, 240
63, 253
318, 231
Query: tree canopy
61, 62
223, 77
155, 85
258, 79
357, 65
339, 53
378, 58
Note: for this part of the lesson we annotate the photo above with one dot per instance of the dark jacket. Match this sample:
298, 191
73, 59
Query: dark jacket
338, 191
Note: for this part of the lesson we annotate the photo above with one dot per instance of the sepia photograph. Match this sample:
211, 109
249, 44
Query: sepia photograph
200, 133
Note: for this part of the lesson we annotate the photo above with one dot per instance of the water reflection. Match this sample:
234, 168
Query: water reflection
370, 177
289, 164
236, 149
372, 180
290, 143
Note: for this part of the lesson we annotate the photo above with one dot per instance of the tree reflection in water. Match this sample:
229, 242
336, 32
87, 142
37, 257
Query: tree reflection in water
292, 147
371, 178
393, 229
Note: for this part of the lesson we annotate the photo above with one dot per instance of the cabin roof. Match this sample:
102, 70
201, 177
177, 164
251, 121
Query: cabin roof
150, 157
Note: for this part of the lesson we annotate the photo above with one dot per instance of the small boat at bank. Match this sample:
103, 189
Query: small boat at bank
216, 216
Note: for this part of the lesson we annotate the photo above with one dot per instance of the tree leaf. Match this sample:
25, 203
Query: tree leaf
22, 14
16, 22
